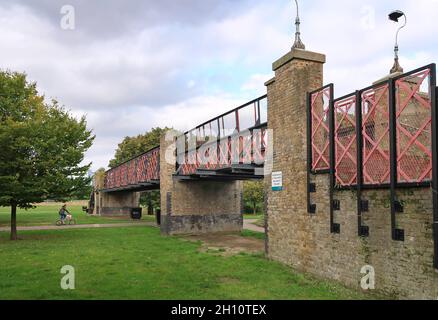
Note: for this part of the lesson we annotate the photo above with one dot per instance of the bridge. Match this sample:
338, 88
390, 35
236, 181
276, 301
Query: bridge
363, 166
231, 146
221, 152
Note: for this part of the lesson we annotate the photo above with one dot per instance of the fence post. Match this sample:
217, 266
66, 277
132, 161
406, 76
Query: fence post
362, 230
434, 92
332, 158
309, 150
397, 234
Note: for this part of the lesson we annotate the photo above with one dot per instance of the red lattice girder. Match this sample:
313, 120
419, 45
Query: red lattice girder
224, 153
413, 114
320, 109
375, 132
345, 141
208, 156
143, 169
259, 146
246, 148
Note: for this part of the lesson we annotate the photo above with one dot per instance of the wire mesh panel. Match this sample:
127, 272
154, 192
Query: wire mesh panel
320, 110
208, 156
260, 145
190, 164
375, 133
142, 169
124, 175
414, 127
152, 165
345, 141
131, 171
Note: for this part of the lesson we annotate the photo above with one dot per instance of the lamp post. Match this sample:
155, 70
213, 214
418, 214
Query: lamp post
395, 16
298, 44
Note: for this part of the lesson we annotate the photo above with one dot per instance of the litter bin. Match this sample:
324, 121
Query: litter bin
136, 213
158, 216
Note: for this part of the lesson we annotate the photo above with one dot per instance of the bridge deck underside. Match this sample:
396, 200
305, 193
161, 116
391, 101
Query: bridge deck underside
235, 172
147, 186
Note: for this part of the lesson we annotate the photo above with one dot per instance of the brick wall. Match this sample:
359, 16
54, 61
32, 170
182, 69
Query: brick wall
403, 269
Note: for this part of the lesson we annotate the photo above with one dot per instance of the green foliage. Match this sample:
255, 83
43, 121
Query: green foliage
42, 146
253, 195
134, 146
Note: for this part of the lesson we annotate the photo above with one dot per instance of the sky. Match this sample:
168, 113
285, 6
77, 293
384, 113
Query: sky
131, 65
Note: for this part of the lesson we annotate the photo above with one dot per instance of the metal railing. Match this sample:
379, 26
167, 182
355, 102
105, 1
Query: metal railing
142, 169
236, 137
383, 136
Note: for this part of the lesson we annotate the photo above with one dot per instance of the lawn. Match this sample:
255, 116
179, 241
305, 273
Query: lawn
253, 216
139, 263
48, 214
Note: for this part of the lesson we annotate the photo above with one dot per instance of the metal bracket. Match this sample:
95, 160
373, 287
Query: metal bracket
399, 208
336, 205
336, 228
169, 203
312, 209
399, 235
364, 206
312, 187
364, 231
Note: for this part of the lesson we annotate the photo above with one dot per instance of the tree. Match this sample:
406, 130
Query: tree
134, 146
41, 147
253, 194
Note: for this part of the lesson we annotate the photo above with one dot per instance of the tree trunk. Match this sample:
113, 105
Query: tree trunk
14, 222
254, 209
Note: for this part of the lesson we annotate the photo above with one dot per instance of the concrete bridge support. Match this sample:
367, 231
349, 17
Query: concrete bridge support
114, 203
194, 207
118, 203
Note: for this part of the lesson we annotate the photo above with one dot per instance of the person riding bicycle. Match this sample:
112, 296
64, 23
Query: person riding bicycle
63, 212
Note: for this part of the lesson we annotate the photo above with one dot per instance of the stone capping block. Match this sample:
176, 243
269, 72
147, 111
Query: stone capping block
269, 82
298, 54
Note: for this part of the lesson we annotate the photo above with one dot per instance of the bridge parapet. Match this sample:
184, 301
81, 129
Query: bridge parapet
231, 146
141, 173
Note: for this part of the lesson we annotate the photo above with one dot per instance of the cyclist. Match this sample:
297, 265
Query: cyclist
63, 213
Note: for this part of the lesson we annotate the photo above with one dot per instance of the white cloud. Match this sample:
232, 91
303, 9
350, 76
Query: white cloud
176, 64
256, 84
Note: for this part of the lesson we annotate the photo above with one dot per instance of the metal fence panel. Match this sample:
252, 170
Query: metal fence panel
345, 141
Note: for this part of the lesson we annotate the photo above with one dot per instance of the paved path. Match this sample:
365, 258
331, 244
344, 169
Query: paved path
249, 225
82, 226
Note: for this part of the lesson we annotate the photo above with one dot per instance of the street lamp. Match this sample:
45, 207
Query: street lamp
298, 44
395, 16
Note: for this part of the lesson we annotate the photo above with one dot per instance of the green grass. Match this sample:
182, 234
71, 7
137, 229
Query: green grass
138, 263
48, 214
253, 234
253, 217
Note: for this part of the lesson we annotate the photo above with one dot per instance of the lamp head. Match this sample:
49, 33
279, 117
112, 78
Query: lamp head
395, 15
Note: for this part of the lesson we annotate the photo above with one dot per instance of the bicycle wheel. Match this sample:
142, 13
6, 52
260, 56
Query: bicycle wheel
59, 223
72, 222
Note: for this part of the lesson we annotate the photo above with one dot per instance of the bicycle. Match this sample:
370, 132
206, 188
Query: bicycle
68, 221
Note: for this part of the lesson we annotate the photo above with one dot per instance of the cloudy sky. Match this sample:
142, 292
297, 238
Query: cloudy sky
131, 65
